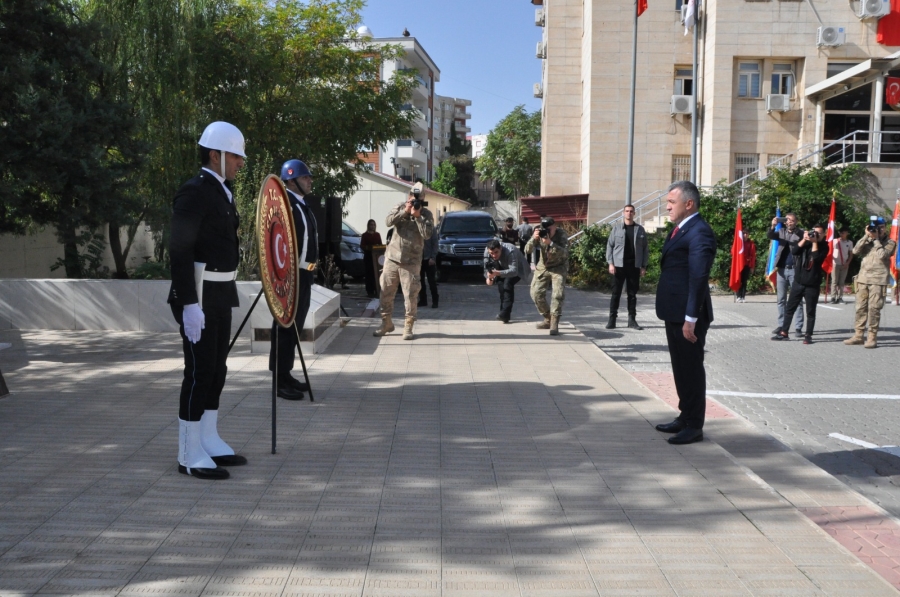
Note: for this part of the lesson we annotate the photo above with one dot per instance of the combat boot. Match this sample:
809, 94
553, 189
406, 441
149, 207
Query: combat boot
554, 325
872, 340
611, 324
632, 323
856, 339
387, 326
408, 328
544, 325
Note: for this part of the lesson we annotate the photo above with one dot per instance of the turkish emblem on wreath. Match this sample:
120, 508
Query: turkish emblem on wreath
277, 243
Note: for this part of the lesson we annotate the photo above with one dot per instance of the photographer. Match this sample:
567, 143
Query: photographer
413, 225
784, 263
874, 250
809, 254
504, 266
552, 248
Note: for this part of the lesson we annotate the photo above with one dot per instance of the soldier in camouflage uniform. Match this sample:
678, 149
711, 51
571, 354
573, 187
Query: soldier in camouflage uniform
403, 258
550, 271
875, 250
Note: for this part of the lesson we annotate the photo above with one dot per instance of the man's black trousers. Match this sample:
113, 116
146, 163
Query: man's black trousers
507, 289
286, 338
798, 293
204, 363
688, 370
630, 277
427, 271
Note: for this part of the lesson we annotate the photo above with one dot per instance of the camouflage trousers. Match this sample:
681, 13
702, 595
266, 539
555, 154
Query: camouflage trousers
869, 302
540, 284
394, 275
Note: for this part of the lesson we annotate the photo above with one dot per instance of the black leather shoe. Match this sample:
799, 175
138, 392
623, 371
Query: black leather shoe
611, 324
633, 324
781, 336
289, 393
434, 303
673, 427
229, 460
777, 330
216, 474
688, 435
798, 333
295, 383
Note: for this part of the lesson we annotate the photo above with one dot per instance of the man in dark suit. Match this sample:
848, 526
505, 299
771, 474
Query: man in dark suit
683, 302
203, 250
298, 182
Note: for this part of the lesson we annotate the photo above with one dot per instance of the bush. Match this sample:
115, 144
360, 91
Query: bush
150, 270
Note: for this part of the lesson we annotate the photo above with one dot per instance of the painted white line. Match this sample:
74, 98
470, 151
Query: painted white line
833, 308
892, 450
805, 396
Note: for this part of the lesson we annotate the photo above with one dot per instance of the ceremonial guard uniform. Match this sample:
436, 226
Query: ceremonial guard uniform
298, 183
204, 254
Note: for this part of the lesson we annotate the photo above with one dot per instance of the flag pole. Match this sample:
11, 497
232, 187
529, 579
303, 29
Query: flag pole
695, 128
630, 167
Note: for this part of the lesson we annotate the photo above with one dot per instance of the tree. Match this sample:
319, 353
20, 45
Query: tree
464, 183
67, 146
512, 155
445, 179
457, 145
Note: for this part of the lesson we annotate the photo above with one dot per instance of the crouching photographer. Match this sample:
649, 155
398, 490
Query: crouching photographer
504, 266
809, 254
874, 251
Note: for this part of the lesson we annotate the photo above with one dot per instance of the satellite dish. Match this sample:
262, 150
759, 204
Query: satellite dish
365, 32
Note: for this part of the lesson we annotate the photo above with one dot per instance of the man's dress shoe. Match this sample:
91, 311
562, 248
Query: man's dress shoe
688, 435
289, 393
673, 427
216, 474
229, 460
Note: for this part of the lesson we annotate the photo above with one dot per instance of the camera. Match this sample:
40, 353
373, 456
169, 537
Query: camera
781, 220
543, 232
813, 234
875, 222
418, 202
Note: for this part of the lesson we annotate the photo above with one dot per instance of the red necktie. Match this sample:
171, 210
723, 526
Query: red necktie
674, 232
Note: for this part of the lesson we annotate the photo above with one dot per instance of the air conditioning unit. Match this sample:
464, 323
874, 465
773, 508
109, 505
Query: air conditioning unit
541, 51
831, 36
778, 102
538, 90
873, 9
539, 17
684, 8
682, 104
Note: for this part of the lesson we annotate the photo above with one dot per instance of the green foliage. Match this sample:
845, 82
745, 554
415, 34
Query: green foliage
512, 155
445, 179
464, 183
151, 270
87, 256
457, 145
587, 258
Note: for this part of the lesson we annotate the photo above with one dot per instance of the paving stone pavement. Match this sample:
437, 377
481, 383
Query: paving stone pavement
478, 459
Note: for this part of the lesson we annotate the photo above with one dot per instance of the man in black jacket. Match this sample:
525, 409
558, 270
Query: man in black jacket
789, 234
203, 250
809, 254
298, 182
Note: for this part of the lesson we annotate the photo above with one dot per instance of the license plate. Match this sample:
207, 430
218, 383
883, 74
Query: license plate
472, 262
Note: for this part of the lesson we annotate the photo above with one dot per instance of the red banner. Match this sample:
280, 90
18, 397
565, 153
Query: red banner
892, 91
277, 244
738, 257
889, 26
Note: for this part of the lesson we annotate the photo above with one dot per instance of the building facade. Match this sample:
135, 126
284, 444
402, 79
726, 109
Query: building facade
413, 158
449, 111
776, 80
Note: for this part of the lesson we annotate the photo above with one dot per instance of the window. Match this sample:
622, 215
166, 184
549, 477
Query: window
744, 164
778, 160
681, 167
684, 82
783, 79
748, 79
678, 4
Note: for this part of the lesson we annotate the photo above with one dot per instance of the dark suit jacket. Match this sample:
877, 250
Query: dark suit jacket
687, 258
204, 230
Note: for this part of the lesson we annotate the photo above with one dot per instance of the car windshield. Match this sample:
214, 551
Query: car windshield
469, 225
347, 230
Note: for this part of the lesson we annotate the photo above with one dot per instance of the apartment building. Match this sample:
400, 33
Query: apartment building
448, 111
777, 80
413, 158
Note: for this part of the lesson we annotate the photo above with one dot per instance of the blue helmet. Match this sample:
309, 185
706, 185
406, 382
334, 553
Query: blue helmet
292, 169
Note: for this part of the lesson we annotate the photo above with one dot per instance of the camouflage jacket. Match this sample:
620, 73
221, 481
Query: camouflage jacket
410, 234
555, 258
875, 265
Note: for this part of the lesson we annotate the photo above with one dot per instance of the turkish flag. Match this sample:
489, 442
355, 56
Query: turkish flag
738, 257
641, 7
889, 26
892, 91
828, 264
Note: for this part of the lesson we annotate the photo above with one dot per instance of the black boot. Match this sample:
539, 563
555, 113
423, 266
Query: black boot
434, 302
632, 323
611, 324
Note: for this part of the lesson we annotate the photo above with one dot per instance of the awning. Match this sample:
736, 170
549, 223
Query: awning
562, 208
862, 74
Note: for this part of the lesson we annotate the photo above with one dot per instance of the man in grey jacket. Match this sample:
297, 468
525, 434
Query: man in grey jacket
504, 266
627, 256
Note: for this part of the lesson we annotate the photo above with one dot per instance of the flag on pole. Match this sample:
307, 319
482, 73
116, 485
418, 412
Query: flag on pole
828, 264
690, 16
895, 236
641, 7
738, 258
771, 263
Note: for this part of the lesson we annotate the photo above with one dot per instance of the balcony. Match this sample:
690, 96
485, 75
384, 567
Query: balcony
420, 121
461, 114
411, 151
461, 128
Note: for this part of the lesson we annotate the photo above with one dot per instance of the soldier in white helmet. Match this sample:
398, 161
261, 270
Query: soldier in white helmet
204, 254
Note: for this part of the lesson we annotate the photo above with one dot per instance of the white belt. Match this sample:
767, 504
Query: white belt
306, 266
219, 276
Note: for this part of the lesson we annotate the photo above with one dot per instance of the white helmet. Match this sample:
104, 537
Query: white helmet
223, 136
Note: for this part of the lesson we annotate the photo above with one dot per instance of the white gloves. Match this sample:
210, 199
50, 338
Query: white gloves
194, 321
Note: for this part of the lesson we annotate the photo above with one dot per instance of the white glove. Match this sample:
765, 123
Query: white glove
194, 321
